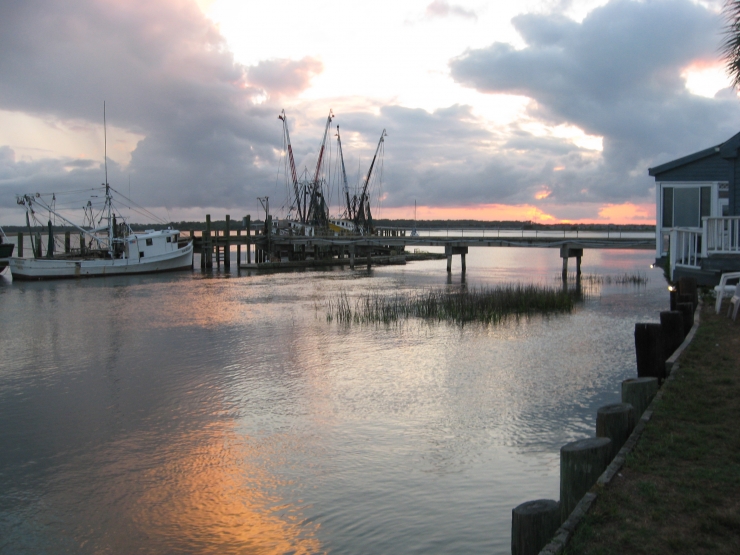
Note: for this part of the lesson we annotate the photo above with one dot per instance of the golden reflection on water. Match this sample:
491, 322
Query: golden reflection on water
210, 495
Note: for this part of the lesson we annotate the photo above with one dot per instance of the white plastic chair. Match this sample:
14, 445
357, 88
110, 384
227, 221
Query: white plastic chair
723, 289
734, 302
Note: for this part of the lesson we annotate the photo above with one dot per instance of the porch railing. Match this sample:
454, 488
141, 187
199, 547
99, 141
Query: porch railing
686, 248
722, 235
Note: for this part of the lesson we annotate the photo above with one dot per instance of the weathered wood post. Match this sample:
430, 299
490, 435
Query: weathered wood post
462, 259
20, 244
38, 249
207, 244
581, 464
687, 311
615, 422
448, 252
82, 243
218, 253
238, 247
671, 322
352, 256
67, 242
649, 351
688, 286
533, 524
639, 393
227, 247
248, 225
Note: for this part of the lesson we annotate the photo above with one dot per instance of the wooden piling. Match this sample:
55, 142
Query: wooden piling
671, 322
227, 246
207, 244
38, 248
82, 244
533, 524
67, 242
238, 248
649, 351
687, 311
448, 252
639, 393
249, 238
615, 422
352, 257
20, 245
688, 286
462, 259
581, 464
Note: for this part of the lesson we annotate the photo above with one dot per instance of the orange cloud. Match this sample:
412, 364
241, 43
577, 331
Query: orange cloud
628, 213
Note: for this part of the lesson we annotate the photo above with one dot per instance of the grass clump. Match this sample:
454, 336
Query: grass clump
487, 305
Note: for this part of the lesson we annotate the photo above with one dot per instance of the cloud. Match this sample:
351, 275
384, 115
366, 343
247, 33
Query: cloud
166, 74
285, 77
442, 9
616, 75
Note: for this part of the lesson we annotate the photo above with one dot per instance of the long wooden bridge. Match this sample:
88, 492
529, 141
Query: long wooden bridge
272, 251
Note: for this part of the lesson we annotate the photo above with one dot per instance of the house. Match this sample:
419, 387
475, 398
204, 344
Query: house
697, 213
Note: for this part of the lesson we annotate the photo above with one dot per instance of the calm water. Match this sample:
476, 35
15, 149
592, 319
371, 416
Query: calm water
186, 413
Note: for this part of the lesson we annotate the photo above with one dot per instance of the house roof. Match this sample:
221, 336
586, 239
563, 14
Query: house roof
728, 149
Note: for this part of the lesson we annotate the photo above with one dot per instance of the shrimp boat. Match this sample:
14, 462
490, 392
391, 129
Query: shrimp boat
109, 248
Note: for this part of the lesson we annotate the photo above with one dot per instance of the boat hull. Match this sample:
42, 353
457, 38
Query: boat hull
71, 268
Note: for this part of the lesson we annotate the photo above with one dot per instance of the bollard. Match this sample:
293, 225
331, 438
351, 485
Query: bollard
639, 392
649, 351
581, 464
615, 422
687, 311
687, 287
671, 322
533, 524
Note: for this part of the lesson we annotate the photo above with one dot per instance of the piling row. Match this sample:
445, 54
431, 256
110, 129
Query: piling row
582, 462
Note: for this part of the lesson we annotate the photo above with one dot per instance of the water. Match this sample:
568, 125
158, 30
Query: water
184, 413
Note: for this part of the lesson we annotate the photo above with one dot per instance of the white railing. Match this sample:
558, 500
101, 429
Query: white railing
686, 248
722, 235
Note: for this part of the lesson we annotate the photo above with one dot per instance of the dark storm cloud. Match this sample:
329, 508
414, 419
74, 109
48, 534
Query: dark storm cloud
616, 75
166, 73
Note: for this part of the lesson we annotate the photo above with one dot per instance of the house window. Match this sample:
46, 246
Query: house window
685, 206
148, 242
141, 254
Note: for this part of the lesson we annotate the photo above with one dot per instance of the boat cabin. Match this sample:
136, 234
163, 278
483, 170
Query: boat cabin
151, 243
697, 220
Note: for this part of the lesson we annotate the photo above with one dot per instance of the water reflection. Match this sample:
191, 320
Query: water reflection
190, 413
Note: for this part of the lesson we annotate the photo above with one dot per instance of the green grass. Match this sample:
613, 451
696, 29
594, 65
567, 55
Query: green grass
679, 491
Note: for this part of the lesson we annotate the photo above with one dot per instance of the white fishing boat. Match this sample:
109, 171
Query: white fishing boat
110, 249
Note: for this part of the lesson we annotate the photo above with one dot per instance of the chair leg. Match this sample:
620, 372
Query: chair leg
734, 312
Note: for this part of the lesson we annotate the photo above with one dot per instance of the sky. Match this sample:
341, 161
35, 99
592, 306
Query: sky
541, 110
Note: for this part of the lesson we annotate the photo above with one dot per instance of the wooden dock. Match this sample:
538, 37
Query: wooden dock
270, 251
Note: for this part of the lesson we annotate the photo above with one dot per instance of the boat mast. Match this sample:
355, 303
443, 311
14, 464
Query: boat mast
293, 174
344, 177
107, 186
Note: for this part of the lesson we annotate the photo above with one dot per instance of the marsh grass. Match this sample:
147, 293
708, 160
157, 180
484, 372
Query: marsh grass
637, 278
487, 305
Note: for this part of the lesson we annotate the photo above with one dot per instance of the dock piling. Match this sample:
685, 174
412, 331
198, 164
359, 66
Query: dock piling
581, 464
20, 244
533, 524
227, 246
